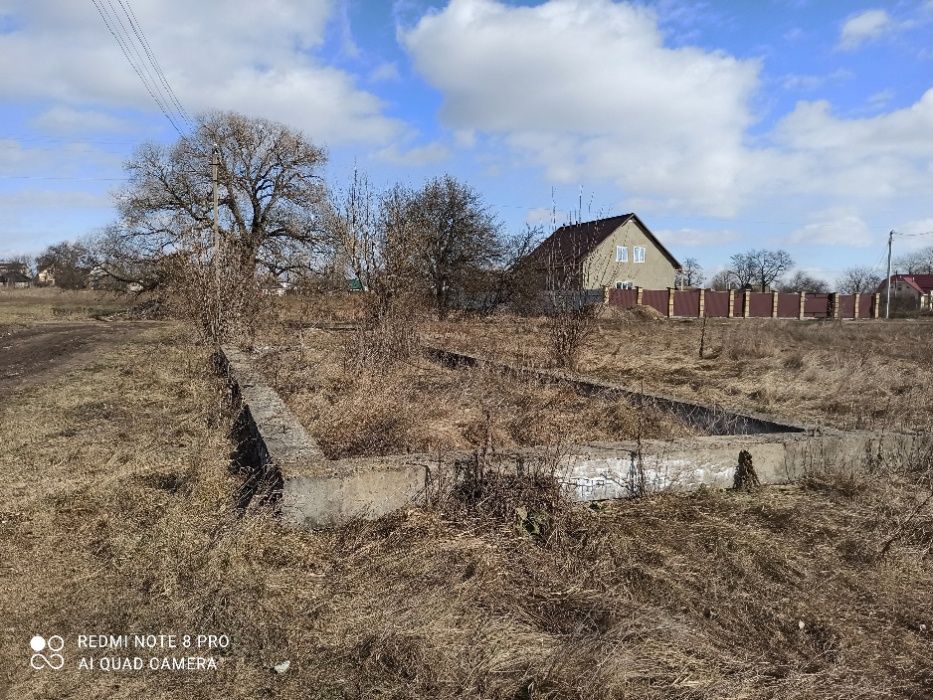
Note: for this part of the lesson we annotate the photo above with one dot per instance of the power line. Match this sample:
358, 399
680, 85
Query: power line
153, 59
124, 41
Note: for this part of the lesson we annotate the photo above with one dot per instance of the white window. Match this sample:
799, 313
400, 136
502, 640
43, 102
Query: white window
627, 284
621, 253
638, 253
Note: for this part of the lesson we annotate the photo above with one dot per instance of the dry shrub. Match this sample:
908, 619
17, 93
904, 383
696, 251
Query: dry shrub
567, 330
382, 339
223, 306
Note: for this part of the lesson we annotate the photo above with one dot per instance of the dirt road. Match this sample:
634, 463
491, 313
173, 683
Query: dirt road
33, 354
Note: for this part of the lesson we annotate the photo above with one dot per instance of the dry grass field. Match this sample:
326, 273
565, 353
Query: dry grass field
25, 307
848, 375
118, 516
421, 406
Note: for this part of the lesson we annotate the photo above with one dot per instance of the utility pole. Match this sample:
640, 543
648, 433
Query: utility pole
215, 166
887, 303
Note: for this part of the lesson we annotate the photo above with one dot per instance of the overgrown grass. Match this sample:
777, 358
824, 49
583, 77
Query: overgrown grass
118, 516
868, 374
420, 406
24, 307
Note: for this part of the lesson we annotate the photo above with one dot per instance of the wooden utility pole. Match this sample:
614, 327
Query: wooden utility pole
215, 166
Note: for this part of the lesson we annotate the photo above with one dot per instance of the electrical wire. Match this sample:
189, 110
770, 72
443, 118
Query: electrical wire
125, 48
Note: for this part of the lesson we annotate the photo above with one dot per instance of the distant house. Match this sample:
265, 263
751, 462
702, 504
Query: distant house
618, 251
14, 274
913, 291
46, 277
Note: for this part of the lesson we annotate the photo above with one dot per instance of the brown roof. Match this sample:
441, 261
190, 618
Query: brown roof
922, 283
572, 243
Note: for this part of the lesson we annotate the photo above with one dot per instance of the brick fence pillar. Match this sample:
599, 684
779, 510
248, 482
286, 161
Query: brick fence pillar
605, 294
639, 295
877, 313
731, 312
803, 304
774, 304
855, 305
670, 302
834, 305
702, 305
746, 303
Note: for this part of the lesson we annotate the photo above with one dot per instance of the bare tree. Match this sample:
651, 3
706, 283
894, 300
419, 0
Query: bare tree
723, 280
919, 262
690, 274
760, 267
270, 193
801, 281
858, 280
460, 237
71, 263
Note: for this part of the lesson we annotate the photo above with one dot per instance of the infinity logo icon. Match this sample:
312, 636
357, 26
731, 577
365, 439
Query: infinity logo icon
53, 660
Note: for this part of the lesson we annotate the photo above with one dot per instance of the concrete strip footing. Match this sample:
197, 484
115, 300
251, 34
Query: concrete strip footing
312, 491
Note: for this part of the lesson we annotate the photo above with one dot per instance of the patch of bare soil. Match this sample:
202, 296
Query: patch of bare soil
35, 353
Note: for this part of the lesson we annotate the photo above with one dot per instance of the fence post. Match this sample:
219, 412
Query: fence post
774, 304
803, 305
855, 301
877, 310
702, 303
746, 303
605, 294
670, 302
731, 312
833, 305
639, 295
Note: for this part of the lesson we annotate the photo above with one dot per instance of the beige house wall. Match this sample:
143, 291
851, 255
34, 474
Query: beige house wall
600, 268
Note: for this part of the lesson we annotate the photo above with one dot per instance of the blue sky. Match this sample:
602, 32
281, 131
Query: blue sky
725, 125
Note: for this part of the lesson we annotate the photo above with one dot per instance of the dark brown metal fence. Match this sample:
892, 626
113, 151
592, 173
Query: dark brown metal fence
655, 298
788, 305
846, 305
816, 306
626, 298
759, 304
687, 303
717, 304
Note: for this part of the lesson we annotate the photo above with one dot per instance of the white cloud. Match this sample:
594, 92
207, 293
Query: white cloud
883, 156
693, 237
417, 156
64, 119
865, 26
834, 227
385, 72
257, 58
806, 82
588, 90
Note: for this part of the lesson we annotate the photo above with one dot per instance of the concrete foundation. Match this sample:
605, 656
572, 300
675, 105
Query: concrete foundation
286, 465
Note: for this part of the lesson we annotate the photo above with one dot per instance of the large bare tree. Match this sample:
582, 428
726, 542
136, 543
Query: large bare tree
858, 280
270, 190
761, 268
